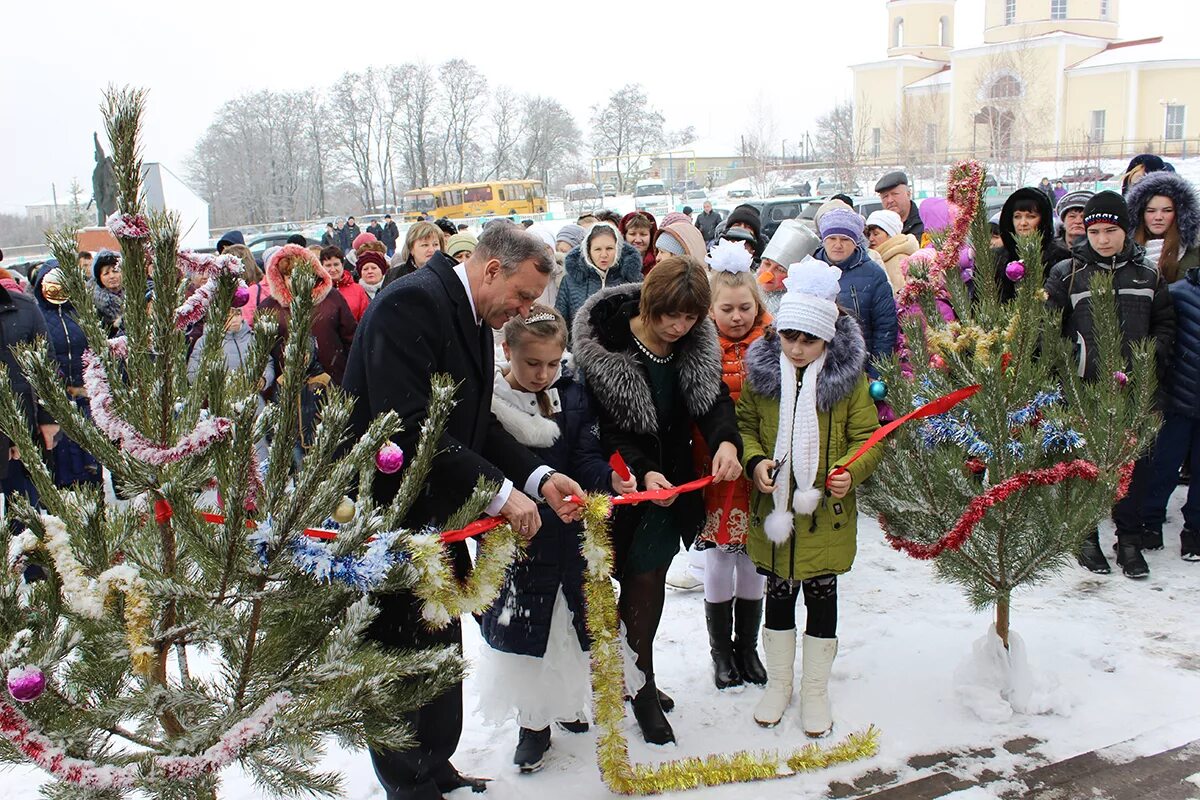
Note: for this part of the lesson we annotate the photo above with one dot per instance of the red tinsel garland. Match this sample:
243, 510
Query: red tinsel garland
962, 530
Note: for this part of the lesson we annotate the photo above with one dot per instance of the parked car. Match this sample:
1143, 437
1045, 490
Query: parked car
786, 190
694, 197
1085, 175
684, 186
609, 190
774, 211
734, 194
265, 241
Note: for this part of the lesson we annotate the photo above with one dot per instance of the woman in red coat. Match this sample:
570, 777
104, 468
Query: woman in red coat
351, 292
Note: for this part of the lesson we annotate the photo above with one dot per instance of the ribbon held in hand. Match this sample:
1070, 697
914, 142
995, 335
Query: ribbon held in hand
932, 409
619, 466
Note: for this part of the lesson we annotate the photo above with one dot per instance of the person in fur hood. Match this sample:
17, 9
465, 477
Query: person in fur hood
805, 409
332, 326
603, 259
1165, 212
652, 366
535, 665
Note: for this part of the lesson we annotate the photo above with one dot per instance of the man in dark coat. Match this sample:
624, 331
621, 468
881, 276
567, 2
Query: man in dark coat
707, 222
446, 312
21, 321
895, 194
376, 230
391, 234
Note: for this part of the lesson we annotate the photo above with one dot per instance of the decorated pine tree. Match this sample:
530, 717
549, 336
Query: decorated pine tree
1001, 490
197, 618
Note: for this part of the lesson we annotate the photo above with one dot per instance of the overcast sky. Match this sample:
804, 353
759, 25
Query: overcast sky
703, 64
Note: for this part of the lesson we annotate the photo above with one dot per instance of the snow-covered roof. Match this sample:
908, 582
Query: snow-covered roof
1141, 51
937, 80
907, 60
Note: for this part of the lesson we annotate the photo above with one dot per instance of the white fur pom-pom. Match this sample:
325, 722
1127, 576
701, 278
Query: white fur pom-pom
729, 256
779, 526
814, 277
804, 501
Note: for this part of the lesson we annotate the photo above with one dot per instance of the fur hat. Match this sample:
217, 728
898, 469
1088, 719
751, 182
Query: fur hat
373, 246
1107, 208
810, 303
887, 221
1181, 193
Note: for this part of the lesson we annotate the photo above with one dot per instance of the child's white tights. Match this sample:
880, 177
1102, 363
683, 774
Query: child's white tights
727, 575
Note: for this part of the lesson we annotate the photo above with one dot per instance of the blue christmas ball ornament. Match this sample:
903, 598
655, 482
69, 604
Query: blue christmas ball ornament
878, 390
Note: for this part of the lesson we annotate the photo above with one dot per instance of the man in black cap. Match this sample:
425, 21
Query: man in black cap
895, 195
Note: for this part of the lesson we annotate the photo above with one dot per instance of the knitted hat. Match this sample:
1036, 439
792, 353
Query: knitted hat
842, 222
1107, 208
1077, 199
793, 240
887, 221
825, 208
361, 239
674, 216
570, 233
745, 215
669, 244
372, 257
810, 304
459, 242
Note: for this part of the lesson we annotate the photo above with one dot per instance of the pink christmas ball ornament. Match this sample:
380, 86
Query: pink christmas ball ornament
241, 296
1121, 378
389, 459
1015, 271
26, 684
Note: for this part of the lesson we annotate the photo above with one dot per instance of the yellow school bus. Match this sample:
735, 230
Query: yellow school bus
459, 200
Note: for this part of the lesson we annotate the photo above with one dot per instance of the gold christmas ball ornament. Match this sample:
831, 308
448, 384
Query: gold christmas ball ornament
344, 511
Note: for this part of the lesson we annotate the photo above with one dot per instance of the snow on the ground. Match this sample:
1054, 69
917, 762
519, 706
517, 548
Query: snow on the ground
1124, 655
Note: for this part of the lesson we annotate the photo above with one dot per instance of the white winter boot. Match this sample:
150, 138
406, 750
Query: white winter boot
780, 648
815, 712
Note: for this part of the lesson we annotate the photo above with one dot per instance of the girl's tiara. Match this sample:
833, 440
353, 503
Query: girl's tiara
544, 316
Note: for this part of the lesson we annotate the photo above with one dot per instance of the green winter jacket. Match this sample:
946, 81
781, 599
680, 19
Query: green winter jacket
825, 542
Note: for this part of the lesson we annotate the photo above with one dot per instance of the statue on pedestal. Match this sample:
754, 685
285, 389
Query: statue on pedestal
104, 184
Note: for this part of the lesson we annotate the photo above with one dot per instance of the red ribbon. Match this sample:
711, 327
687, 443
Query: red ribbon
938, 406
162, 511
619, 466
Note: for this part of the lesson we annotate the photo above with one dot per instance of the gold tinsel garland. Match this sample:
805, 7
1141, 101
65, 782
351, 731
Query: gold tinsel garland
87, 596
443, 596
608, 694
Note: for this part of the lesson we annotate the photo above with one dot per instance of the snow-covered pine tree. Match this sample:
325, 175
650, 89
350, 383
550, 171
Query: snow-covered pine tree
150, 648
1002, 489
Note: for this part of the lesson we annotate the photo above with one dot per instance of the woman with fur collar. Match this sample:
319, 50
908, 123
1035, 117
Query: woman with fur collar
652, 366
603, 259
1166, 212
805, 409
535, 667
332, 324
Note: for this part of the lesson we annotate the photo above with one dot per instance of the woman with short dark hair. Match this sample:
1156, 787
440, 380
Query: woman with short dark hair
652, 367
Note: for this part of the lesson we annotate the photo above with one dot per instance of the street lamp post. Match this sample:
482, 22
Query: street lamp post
784, 149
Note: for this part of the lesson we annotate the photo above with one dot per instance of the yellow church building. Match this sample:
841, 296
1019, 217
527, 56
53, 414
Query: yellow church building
1052, 79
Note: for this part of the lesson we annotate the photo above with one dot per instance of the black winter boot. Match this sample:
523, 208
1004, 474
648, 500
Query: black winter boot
747, 618
1189, 544
531, 749
649, 715
1129, 556
1091, 557
719, 617
1152, 539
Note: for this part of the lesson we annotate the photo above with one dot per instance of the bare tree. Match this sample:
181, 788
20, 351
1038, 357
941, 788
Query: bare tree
506, 122
551, 139
463, 104
1012, 110
757, 146
841, 139
318, 142
414, 96
626, 128
352, 103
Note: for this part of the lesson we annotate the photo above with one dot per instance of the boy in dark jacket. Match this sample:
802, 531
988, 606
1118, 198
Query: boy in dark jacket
1144, 310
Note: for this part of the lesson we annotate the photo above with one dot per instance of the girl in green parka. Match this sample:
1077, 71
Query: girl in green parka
804, 410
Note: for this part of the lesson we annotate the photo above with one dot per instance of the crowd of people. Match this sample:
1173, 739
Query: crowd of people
689, 347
